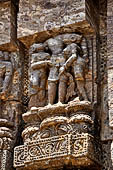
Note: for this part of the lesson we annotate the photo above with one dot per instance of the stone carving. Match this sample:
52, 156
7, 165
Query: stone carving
10, 76
78, 62
38, 75
57, 59
56, 148
10, 105
19, 156
61, 63
112, 152
6, 72
59, 122
55, 132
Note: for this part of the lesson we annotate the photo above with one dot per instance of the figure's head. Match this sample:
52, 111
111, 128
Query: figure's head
6, 56
55, 45
71, 38
36, 47
1, 56
34, 58
70, 49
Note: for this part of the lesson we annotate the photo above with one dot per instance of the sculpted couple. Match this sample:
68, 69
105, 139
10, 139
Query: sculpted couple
60, 62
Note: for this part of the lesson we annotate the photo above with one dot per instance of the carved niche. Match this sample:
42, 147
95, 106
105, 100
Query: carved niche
58, 65
59, 123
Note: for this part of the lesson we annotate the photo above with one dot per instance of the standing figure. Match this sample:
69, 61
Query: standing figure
38, 75
6, 72
78, 60
66, 82
2, 74
57, 60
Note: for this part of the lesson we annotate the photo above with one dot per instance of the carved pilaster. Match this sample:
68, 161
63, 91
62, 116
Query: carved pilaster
10, 106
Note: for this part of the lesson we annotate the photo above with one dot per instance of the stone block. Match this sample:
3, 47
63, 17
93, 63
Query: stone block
50, 17
4, 23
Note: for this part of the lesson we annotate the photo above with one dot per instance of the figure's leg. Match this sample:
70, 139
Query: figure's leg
42, 91
33, 101
43, 79
62, 91
41, 95
52, 87
81, 89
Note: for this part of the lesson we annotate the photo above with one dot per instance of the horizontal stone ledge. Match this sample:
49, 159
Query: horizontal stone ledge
47, 20
82, 28
77, 107
41, 15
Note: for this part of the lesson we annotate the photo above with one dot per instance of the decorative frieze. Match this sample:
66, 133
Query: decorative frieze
76, 149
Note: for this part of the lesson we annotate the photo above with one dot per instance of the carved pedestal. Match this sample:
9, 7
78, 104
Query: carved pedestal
56, 136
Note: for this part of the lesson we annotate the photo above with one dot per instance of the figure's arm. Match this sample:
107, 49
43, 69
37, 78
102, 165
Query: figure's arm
84, 47
40, 64
67, 64
70, 61
7, 80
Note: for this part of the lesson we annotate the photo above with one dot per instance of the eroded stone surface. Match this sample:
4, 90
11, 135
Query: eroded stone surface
76, 126
39, 19
4, 24
60, 67
46, 15
65, 134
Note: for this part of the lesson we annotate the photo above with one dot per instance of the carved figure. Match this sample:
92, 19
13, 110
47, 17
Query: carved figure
6, 71
66, 85
57, 59
2, 73
54, 62
78, 60
38, 75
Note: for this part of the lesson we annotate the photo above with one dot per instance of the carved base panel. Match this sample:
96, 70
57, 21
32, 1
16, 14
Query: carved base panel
57, 136
56, 152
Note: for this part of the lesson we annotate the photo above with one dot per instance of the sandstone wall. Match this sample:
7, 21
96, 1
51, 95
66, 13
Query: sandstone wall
38, 20
4, 23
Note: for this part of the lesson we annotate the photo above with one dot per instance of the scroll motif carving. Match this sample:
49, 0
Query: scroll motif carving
56, 148
19, 156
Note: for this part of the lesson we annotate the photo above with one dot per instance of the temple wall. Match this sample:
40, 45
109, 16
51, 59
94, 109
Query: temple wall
29, 22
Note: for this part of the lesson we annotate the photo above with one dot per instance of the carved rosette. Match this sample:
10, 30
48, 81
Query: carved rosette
59, 133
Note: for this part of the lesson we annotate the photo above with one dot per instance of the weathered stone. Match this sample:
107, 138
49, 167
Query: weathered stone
56, 73
5, 23
50, 18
